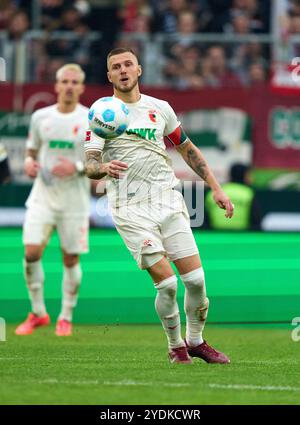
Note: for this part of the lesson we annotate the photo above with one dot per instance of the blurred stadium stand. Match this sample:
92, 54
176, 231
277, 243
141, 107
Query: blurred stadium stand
225, 66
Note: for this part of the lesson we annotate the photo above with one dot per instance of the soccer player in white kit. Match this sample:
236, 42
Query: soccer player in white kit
59, 197
149, 214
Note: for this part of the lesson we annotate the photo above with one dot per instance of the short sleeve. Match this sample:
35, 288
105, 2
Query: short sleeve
33, 139
172, 121
93, 142
173, 130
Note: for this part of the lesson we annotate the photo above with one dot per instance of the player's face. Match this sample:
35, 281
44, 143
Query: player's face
124, 71
69, 87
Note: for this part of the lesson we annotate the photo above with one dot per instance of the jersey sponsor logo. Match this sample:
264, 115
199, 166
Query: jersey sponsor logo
61, 144
88, 136
143, 133
152, 116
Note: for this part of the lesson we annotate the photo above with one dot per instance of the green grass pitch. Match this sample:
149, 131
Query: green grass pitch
127, 364
106, 363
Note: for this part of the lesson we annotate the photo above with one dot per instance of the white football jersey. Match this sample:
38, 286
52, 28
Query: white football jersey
143, 149
54, 134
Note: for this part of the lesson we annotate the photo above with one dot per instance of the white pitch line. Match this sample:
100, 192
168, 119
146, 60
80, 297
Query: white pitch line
253, 387
132, 383
124, 383
93, 359
54, 359
266, 362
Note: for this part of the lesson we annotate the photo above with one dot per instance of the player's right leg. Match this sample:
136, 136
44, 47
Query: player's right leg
142, 237
36, 232
34, 277
167, 309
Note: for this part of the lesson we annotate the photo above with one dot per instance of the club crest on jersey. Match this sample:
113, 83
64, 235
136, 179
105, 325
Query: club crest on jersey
75, 130
147, 242
88, 136
153, 116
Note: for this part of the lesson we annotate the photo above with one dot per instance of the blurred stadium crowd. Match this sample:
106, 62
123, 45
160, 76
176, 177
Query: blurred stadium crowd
164, 32
193, 43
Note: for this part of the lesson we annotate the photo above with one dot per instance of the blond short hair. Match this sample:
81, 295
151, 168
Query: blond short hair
70, 67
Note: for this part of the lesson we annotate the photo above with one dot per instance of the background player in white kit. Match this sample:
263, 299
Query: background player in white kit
151, 217
59, 197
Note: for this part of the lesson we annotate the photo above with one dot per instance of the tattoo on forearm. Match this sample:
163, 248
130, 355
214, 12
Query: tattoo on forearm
198, 164
93, 165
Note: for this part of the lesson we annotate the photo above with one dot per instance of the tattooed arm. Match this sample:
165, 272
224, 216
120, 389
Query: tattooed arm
194, 158
96, 169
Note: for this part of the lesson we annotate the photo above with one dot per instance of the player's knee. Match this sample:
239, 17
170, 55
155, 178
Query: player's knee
70, 260
167, 288
194, 279
33, 253
72, 277
33, 273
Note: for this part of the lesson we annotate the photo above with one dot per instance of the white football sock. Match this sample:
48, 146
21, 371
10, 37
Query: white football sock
70, 287
195, 305
34, 277
167, 309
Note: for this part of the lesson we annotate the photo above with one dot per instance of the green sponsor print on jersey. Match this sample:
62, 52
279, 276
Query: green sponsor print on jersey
143, 133
61, 144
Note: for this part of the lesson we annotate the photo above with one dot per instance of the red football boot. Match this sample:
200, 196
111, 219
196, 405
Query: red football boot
63, 328
179, 355
207, 353
31, 323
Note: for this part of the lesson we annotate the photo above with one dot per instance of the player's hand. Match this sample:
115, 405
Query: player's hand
222, 200
31, 167
64, 167
115, 168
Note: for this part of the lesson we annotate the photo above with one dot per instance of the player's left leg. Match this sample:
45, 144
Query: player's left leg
72, 276
73, 232
181, 248
195, 300
196, 308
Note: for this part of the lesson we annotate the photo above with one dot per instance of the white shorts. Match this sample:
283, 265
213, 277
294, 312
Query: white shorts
72, 229
160, 227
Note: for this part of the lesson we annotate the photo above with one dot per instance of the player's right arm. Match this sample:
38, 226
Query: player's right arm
33, 143
94, 167
31, 165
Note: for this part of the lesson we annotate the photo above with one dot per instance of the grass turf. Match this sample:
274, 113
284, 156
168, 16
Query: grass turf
128, 365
